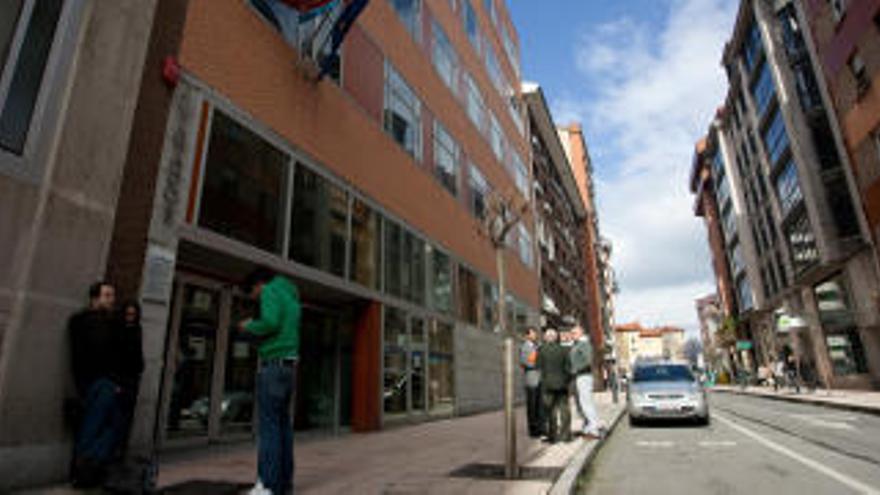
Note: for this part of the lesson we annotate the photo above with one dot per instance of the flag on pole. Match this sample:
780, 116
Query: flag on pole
340, 30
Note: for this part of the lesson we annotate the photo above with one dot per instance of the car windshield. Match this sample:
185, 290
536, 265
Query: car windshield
665, 373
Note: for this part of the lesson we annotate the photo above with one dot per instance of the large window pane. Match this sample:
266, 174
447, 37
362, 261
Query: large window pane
237, 406
18, 109
446, 154
396, 373
409, 12
394, 258
402, 113
496, 138
444, 57
471, 24
441, 369
520, 175
753, 46
479, 192
365, 242
418, 363
775, 137
441, 281
415, 266
468, 296
763, 89
319, 222
489, 305
9, 12
243, 188
788, 187
475, 105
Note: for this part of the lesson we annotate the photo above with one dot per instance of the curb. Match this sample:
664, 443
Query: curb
822, 403
566, 483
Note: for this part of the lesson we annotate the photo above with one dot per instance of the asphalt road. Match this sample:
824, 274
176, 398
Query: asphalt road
753, 446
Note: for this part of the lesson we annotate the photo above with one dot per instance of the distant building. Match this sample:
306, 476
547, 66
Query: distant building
635, 343
711, 319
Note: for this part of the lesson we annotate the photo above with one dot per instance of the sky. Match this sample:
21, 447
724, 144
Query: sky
644, 78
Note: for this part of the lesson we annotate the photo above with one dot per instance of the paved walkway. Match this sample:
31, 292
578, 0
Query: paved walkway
854, 400
404, 460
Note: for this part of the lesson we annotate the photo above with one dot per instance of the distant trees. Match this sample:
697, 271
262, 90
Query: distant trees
693, 347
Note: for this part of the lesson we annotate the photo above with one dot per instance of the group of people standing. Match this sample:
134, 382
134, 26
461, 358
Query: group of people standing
554, 369
107, 361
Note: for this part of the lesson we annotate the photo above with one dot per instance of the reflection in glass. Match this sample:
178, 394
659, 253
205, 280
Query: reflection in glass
395, 366
242, 194
319, 222
237, 405
365, 242
441, 281
393, 258
441, 391
418, 364
189, 410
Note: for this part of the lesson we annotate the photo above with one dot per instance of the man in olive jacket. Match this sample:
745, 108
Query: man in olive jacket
554, 366
278, 328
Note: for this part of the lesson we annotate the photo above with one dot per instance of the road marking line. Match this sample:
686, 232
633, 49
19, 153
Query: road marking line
718, 443
831, 473
655, 443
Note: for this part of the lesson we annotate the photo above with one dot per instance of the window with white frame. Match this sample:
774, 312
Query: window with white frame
446, 153
494, 70
525, 245
27, 32
444, 57
410, 13
476, 106
496, 138
520, 174
838, 9
402, 113
510, 49
471, 24
491, 10
479, 191
859, 73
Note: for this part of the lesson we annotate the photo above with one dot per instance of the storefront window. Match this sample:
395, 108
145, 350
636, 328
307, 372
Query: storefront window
393, 258
489, 306
441, 281
237, 404
190, 409
418, 363
468, 296
365, 242
845, 349
404, 264
441, 369
396, 380
243, 188
319, 226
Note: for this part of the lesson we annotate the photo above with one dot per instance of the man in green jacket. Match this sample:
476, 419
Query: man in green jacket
554, 366
277, 326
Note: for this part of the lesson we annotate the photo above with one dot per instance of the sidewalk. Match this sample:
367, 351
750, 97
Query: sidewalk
851, 400
410, 459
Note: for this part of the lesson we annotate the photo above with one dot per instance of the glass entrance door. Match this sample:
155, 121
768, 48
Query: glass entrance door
406, 360
189, 409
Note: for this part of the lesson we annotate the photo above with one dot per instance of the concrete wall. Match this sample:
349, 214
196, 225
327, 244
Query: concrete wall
58, 228
479, 379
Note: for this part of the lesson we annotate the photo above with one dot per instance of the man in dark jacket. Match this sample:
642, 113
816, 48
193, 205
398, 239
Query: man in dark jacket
554, 367
94, 334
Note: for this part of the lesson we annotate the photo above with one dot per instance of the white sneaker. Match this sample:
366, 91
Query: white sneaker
259, 489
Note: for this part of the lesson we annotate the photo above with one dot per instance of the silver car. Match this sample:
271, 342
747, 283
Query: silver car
666, 391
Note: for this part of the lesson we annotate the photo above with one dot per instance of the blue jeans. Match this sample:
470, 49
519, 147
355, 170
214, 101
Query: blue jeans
275, 389
103, 423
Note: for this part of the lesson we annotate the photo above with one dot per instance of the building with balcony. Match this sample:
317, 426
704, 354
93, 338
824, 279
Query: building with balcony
637, 344
803, 245
560, 220
214, 147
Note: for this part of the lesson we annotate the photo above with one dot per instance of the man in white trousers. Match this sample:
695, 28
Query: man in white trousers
581, 364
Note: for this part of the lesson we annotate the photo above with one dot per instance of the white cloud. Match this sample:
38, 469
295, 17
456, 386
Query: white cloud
653, 91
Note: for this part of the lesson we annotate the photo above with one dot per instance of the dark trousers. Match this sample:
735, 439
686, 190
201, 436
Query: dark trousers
275, 384
558, 414
535, 411
100, 433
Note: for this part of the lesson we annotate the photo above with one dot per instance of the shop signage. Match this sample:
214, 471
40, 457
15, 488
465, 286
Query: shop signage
743, 345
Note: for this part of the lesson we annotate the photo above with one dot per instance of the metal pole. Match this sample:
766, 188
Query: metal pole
511, 469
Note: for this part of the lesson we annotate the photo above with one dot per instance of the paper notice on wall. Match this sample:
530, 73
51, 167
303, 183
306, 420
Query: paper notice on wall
158, 274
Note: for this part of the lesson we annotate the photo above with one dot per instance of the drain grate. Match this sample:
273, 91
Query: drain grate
496, 472
206, 487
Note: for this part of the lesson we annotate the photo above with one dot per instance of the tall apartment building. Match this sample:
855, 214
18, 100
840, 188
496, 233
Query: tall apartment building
845, 44
711, 319
609, 287
560, 220
578, 154
804, 248
367, 188
69, 73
